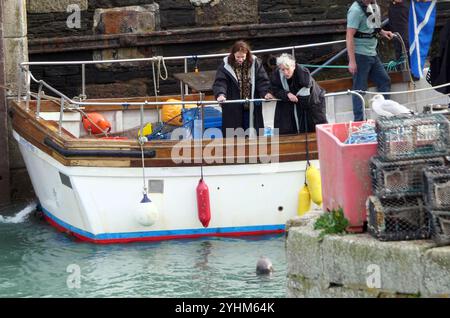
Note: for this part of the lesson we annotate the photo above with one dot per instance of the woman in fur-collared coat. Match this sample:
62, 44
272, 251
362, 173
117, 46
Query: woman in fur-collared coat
300, 97
241, 76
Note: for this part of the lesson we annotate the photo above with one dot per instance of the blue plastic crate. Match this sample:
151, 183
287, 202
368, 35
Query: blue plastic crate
212, 119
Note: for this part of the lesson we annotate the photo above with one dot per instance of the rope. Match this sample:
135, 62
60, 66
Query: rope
141, 141
307, 142
201, 140
405, 57
160, 60
157, 75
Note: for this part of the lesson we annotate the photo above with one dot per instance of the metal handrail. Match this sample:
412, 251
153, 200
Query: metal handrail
349, 92
171, 58
338, 55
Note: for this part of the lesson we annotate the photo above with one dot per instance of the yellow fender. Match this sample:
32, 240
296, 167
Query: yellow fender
147, 130
304, 201
314, 184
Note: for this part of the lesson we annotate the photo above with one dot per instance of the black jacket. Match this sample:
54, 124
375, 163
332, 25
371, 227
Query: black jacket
440, 65
226, 84
313, 105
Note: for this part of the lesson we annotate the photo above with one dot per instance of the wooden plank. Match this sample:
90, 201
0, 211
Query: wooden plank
343, 84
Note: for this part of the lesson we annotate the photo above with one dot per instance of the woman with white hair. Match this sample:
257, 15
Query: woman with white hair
302, 104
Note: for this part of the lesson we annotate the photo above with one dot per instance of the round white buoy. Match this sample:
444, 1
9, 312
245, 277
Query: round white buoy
146, 212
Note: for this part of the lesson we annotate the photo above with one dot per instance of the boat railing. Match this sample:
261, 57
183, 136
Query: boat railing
200, 103
63, 99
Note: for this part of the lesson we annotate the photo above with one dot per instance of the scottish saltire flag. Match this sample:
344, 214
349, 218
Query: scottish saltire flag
422, 17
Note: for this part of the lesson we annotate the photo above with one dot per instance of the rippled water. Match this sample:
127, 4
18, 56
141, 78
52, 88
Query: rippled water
35, 258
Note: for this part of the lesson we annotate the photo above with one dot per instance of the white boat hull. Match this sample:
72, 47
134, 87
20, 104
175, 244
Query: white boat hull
99, 204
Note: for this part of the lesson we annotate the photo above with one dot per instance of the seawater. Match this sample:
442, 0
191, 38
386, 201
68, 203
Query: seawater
38, 261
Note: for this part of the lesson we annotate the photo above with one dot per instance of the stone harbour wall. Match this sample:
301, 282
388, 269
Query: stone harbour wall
357, 265
46, 18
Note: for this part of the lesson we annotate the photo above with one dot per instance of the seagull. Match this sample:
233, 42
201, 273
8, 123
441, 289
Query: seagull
387, 107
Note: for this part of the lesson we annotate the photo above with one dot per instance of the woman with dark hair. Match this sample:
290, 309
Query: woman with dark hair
302, 100
241, 76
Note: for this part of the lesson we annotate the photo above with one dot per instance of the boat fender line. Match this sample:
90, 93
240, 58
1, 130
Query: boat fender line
146, 212
97, 153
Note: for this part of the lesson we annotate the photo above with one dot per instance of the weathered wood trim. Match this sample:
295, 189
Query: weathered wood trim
343, 84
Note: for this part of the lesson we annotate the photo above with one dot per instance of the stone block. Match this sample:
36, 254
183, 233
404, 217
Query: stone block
15, 157
132, 19
47, 6
176, 14
21, 186
223, 12
119, 54
16, 52
437, 272
337, 12
14, 19
303, 252
347, 259
132, 88
280, 16
301, 287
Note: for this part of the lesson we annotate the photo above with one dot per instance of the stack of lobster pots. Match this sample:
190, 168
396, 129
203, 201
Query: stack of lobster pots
410, 179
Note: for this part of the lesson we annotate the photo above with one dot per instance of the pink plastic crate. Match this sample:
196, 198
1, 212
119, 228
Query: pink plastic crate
344, 170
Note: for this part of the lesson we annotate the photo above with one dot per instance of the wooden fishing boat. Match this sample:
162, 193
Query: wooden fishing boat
92, 187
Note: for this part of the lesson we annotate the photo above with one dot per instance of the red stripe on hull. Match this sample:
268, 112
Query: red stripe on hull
156, 238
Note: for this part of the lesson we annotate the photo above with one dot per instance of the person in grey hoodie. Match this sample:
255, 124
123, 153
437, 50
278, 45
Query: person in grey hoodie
241, 76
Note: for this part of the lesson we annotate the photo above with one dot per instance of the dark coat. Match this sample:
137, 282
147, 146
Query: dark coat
440, 65
226, 84
313, 105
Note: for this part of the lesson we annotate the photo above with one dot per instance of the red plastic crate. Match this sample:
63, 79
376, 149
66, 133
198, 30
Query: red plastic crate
344, 170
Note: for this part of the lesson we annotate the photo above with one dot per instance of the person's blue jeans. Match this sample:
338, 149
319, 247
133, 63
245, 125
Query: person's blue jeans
369, 67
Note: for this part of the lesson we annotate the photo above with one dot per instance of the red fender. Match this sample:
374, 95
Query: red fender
99, 120
204, 210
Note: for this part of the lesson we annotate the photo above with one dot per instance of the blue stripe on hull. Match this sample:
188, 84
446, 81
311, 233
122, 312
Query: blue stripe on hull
165, 233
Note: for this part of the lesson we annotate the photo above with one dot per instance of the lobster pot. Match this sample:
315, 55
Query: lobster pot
440, 227
408, 137
437, 188
397, 219
398, 178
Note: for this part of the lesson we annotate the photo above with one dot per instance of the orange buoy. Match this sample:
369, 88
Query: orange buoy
95, 118
204, 210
